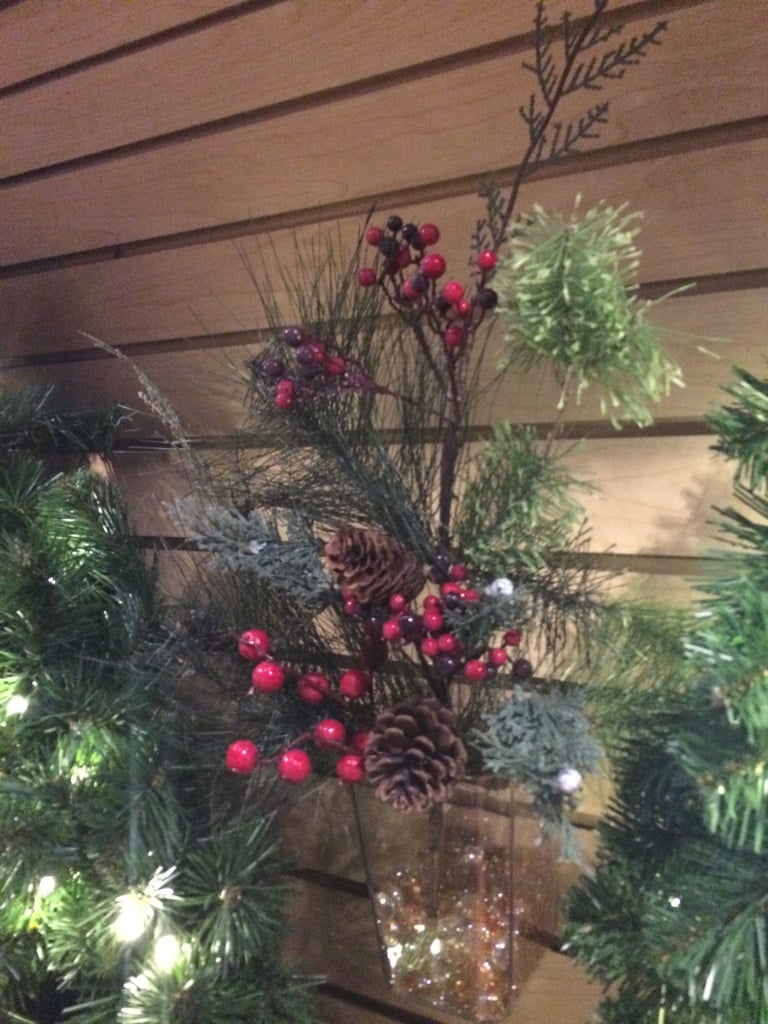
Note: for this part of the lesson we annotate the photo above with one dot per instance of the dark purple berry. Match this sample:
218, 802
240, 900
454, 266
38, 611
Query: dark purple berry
294, 336
411, 235
410, 625
486, 298
305, 355
272, 368
446, 665
394, 223
441, 304
388, 247
452, 602
522, 668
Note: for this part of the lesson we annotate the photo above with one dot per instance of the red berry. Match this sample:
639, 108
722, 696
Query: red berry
429, 234
366, 277
294, 765
285, 396
391, 630
432, 601
330, 732
267, 677
350, 768
447, 643
458, 572
407, 291
464, 308
354, 683
351, 605
486, 259
374, 235
432, 265
397, 602
429, 647
254, 644
403, 258
359, 740
453, 336
513, 638
242, 756
432, 619
497, 656
475, 670
335, 366
452, 291
312, 688
470, 594
451, 588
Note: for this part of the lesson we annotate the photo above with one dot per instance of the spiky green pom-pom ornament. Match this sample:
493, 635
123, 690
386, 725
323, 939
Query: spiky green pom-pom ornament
568, 296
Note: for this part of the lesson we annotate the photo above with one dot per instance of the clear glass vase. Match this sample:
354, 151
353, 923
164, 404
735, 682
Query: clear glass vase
465, 897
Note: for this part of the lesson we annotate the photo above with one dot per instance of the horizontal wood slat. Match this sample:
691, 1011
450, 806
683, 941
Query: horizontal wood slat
79, 30
362, 147
244, 67
706, 334
640, 506
697, 221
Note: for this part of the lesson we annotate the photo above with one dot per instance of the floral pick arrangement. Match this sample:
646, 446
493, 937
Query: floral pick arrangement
411, 590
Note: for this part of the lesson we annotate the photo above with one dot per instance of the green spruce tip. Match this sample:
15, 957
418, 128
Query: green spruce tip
568, 298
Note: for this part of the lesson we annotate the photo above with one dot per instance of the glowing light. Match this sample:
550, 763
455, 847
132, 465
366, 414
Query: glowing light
137, 908
394, 953
45, 886
16, 705
133, 917
435, 947
675, 901
166, 952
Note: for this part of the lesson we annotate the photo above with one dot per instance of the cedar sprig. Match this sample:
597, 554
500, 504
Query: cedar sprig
550, 138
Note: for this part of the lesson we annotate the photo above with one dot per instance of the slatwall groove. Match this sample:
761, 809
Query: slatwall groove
672, 288
293, 165
179, 106
608, 158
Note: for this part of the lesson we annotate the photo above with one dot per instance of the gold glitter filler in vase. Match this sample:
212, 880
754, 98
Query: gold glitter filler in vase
464, 895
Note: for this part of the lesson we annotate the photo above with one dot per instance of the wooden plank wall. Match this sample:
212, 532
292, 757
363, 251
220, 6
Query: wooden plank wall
149, 148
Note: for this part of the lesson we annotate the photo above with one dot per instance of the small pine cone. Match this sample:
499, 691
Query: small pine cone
373, 566
414, 754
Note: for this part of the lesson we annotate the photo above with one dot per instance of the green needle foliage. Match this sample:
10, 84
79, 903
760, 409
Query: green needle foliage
675, 915
125, 893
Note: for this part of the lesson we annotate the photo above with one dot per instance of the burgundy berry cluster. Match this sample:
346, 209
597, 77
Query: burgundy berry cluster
409, 271
429, 629
307, 366
294, 764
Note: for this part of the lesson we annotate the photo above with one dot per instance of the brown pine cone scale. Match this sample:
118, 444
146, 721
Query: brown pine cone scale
414, 754
372, 565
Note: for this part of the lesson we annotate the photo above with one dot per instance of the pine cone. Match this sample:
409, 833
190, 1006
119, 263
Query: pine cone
414, 754
373, 566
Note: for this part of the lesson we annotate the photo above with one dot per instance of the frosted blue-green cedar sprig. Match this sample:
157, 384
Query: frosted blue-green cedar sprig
531, 738
568, 297
285, 556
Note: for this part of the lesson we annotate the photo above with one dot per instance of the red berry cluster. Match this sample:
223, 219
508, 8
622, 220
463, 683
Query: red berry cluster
431, 631
409, 274
306, 366
329, 734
